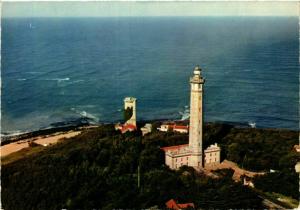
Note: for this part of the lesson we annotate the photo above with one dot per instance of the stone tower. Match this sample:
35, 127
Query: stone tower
130, 102
196, 119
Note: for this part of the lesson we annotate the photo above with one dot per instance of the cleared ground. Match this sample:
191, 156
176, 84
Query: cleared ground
42, 140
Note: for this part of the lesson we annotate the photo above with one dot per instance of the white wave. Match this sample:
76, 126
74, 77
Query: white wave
89, 115
12, 133
85, 114
63, 79
185, 114
22, 79
252, 124
78, 81
56, 79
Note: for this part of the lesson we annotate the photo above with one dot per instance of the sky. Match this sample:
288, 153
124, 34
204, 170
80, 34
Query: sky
148, 8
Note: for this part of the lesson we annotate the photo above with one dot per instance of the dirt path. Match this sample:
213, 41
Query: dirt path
238, 172
16, 146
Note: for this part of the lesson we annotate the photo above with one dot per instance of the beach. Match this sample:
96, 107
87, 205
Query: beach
44, 140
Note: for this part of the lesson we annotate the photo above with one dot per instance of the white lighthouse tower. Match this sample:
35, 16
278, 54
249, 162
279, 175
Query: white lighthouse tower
192, 154
196, 118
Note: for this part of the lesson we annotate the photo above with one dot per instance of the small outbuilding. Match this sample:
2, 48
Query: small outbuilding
172, 204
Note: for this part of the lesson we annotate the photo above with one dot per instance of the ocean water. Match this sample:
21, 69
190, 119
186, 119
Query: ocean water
62, 69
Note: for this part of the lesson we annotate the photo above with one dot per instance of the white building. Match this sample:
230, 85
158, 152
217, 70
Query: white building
192, 154
212, 155
177, 156
164, 128
247, 182
181, 128
146, 129
174, 127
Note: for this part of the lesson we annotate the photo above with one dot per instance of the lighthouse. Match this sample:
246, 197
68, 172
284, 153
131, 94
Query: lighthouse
196, 118
192, 154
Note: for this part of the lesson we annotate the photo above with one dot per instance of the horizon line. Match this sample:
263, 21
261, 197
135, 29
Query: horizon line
141, 16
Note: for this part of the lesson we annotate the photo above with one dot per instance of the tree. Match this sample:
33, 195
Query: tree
128, 113
234, 150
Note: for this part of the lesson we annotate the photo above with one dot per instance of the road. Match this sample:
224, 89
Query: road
269, 204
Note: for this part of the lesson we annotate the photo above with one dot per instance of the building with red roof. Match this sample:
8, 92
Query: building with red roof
125, 127
174, 127
181, 128
177, 156
172, 204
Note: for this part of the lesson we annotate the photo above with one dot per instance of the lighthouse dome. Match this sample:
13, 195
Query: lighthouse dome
197, 70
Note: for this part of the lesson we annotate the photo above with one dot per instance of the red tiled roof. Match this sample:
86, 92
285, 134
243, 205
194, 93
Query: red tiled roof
180, 127
174, 126
186, 205
128, 127
168, 125
171, 204
174, 147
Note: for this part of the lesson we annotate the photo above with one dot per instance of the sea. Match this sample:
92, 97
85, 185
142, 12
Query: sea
59, 71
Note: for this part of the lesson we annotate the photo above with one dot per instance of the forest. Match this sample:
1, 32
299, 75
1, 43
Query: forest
261, 150
98, 169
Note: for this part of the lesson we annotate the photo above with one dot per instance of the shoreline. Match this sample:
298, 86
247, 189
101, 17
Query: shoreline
12, 138
46, 131
7, 139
